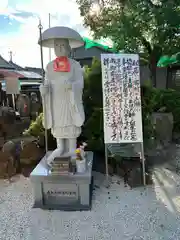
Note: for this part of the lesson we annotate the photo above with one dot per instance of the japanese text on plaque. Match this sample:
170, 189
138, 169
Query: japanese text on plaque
121, 98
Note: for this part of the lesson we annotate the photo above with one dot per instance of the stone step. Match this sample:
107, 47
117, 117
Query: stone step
60, 163
59, 167
59, 173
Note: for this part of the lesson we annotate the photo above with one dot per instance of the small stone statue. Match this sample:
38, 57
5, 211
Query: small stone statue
34, 106
23, 105
3, 96
62, 94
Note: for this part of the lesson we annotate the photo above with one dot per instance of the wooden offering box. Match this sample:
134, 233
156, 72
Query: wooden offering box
60, 165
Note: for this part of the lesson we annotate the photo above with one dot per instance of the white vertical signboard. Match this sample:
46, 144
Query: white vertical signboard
121, 98
12, 85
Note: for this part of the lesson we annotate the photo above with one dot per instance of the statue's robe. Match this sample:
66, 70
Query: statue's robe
63, 107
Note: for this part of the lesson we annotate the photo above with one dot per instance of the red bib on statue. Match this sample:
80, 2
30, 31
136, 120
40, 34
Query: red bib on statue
62, 64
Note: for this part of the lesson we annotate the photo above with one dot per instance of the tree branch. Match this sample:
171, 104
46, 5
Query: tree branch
147, 45
151, 4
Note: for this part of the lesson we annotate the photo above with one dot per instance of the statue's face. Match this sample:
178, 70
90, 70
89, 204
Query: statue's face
61, 47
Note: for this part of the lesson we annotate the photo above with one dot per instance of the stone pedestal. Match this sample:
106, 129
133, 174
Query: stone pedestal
163, 123
63, 192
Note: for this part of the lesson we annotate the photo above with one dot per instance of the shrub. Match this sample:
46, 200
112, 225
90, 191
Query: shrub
170, 99
36, 130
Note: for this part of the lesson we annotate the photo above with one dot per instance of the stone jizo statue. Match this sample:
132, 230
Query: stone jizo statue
23, 105
34, 106
62, 94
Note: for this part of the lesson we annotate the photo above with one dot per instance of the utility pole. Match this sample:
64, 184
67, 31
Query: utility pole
49, 27
10, 56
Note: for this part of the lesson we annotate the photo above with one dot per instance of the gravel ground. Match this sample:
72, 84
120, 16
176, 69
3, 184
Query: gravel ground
118, 213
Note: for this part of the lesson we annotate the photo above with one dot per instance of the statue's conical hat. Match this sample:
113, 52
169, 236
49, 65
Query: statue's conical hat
60, 32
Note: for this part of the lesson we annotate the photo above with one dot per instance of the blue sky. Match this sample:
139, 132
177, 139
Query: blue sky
19, 21
10, 25
14, 3
19, 26
7, 26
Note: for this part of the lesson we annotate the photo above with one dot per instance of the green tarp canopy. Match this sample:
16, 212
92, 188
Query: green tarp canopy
166, 60
90, 43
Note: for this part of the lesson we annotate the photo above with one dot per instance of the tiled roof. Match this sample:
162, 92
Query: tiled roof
17, 67
20, 74
27, 71
11, 69
33, 69
28, 74
4, 64
10, 73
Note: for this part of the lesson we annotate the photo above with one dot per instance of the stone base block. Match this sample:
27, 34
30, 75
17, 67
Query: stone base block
62, 192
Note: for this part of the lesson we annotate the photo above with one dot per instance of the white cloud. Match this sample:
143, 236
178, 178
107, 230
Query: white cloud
3, 6
24, 43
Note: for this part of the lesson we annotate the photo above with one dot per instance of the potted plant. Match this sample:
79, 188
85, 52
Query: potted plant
81, 158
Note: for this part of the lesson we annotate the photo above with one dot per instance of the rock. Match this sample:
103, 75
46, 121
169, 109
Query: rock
163, 123
176, 137
162, 110
135, 178
7, 115
41, 141
120, 171
110, 169
1, 142
7, 120
7, 168
9, 147
13, 149
31, 154
149, 180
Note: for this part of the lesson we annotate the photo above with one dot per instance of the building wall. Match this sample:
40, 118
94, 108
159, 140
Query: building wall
161, 75
81, 53
174, 77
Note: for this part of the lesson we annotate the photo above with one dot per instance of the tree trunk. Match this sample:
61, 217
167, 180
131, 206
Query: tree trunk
153, 52
154, 56
152, 68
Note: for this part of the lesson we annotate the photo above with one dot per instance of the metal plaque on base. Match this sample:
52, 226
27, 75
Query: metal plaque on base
54, 194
